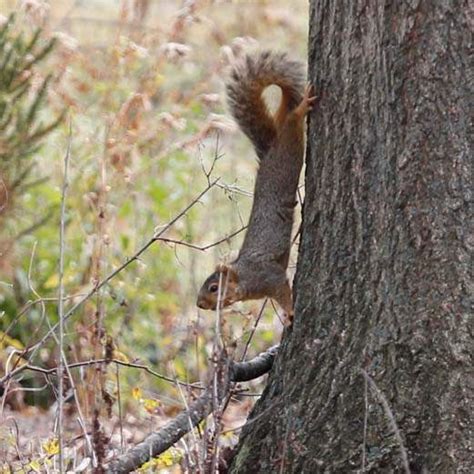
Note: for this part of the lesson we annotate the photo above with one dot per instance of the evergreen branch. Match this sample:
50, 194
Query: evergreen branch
38, 99
41, 54
48, 128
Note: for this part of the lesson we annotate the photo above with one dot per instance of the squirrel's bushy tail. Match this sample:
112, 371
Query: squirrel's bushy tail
249, 77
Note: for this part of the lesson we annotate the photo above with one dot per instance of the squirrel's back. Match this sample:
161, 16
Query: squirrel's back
250, 75
260, 268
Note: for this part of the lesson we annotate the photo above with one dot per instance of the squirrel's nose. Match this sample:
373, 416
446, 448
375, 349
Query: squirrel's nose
202, 303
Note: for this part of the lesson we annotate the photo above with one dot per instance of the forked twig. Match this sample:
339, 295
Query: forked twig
202, 248
156, 236
159, 441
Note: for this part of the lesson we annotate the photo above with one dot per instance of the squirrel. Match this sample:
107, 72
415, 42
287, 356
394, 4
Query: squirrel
260, 268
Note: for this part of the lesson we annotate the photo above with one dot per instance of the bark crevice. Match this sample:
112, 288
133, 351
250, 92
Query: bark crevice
384, 263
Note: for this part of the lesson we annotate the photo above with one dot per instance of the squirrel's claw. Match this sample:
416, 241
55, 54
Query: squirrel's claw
307, 101
308, 96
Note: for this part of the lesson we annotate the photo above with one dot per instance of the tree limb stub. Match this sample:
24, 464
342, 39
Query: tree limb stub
159, 441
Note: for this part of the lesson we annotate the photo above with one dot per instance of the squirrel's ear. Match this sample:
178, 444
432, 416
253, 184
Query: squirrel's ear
222, 268
228, 272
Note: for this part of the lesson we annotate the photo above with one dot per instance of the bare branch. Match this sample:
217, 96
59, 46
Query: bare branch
203, 247
28, 305
107, 279
254, 368
159, 441
86, 363
62, 361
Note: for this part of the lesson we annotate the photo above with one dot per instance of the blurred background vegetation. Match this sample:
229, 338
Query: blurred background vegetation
141, 84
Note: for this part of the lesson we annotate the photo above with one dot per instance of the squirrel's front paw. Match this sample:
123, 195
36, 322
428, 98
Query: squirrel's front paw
307, 102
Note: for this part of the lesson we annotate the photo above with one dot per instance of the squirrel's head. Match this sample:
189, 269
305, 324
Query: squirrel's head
221, 285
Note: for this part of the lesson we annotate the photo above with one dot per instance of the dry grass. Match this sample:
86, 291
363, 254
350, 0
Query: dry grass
143, 85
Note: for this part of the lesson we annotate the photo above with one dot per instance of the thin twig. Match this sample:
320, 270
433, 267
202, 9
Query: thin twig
234, 189
39, 324
190, 422
218, 385
107, 279
272, 351
78, 406
31, 303
61, 301
161, 440
5, 192
119, 403
86, 363
202, 248
217, 157
99, 339
252, 332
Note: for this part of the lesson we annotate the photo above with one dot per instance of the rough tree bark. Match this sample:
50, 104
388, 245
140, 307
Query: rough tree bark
383, 332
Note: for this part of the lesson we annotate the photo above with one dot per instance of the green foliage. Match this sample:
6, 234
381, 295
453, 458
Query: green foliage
145, 118
21, 101
144, 125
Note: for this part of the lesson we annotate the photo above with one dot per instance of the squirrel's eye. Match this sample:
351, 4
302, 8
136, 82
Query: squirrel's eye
213, 288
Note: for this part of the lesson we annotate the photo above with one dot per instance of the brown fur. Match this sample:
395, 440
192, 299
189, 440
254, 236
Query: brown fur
260, 269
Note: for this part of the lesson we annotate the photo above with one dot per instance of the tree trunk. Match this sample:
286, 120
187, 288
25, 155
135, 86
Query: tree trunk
376, 374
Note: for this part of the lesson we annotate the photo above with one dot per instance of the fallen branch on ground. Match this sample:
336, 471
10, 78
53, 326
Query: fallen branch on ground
161, 440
